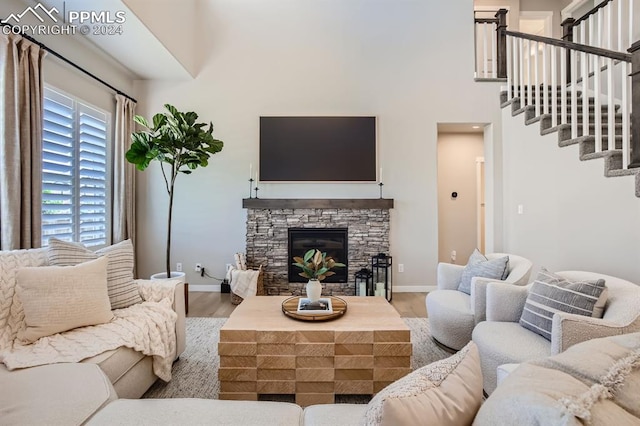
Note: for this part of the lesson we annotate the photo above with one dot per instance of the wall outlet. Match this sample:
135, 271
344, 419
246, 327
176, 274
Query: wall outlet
454, 255
179, 266
520, 209
400, 267
198, 267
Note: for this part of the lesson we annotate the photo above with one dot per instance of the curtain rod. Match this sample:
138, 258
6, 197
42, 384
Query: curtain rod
68, 61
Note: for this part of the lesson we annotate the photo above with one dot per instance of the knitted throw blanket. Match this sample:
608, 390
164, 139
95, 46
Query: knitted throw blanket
147, 327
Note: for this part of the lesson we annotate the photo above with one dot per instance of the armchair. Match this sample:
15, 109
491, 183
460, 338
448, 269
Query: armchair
502, 340
452, 313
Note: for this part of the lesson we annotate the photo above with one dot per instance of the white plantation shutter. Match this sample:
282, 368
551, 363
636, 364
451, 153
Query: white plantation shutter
75, 171
58, 158
92, 176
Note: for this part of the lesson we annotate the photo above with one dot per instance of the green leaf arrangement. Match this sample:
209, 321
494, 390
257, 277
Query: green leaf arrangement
316, 265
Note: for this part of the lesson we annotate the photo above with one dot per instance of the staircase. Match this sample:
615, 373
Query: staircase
612, 156
579, 87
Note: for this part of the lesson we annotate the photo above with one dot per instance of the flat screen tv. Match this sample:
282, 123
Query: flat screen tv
318, 149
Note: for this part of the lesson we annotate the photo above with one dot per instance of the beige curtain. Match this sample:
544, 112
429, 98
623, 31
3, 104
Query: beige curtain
124, 200
20, 143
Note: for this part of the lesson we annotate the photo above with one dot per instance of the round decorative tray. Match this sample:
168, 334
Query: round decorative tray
290, 309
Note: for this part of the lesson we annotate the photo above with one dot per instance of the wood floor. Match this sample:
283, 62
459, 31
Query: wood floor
218, 305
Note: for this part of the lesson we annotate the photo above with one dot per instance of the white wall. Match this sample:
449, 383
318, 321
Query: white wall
574, 218
457, 220
407, 63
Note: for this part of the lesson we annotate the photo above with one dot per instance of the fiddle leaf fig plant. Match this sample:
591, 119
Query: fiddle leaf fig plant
316, 265
179, 144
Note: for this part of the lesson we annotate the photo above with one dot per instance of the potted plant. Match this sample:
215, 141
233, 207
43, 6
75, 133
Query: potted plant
179, 144
316, 266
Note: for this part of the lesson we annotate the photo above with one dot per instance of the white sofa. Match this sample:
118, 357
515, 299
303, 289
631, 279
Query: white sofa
502, 340
130, 372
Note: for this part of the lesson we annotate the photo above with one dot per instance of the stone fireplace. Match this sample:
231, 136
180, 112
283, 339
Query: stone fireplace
269, 222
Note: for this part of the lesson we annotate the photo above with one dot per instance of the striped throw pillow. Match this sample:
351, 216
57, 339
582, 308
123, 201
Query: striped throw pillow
551, 293
479, 266
123, 291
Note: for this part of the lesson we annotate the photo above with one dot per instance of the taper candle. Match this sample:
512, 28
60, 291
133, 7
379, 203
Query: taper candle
380, 174
250, 170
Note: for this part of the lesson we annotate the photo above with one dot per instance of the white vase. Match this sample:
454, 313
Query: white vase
314, 290
174, 276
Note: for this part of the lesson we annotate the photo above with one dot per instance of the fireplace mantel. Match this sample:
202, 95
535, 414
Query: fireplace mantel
317, 203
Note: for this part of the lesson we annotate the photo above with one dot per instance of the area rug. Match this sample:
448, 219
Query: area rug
195, 374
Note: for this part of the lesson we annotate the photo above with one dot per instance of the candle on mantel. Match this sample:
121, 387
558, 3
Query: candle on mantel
380, 174
250, 170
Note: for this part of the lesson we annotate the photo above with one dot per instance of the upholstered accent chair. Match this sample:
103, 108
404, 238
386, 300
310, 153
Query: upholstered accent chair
452, 313
502, 340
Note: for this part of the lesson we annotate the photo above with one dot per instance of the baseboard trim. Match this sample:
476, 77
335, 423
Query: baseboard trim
413, 288
205, 287
398, 289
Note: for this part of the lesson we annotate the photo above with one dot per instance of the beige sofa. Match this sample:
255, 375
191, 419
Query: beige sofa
551, 391
130, 372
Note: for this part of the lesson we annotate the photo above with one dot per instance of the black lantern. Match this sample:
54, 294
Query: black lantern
381, 267
363, 283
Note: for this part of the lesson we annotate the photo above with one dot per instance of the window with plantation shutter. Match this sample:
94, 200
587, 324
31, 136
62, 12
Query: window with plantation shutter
75, 202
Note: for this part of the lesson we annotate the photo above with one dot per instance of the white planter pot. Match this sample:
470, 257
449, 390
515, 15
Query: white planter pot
314, 290
174, 276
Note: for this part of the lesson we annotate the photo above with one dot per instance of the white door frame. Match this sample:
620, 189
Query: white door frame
480, 203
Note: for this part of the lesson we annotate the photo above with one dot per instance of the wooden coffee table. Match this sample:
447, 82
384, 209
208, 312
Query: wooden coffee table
264, 352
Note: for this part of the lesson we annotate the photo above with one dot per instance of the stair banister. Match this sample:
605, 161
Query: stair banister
620, 56
600, 21
567, 35
501, 16
586, 75
634, 50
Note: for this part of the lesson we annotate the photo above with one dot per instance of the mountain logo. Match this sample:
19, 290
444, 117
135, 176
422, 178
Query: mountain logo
34, 11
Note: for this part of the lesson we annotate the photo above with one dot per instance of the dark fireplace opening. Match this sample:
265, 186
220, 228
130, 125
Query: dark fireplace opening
332, 241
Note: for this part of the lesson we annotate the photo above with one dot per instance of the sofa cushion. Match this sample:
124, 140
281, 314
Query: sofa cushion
187, 411
595, 382
334, 414
446, 392
506, 342
56, 394
479, 266
551, 293
57, 299
123, 292
116, 363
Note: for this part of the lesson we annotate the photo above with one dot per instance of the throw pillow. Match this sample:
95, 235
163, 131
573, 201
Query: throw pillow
446, 392
551, 293
479, 266
595, 382
60, 298
123, 291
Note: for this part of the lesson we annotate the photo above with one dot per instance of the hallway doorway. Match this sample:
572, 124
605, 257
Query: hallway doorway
461, 191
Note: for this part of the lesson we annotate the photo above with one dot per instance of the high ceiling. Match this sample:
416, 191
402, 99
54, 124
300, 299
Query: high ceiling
137, 48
